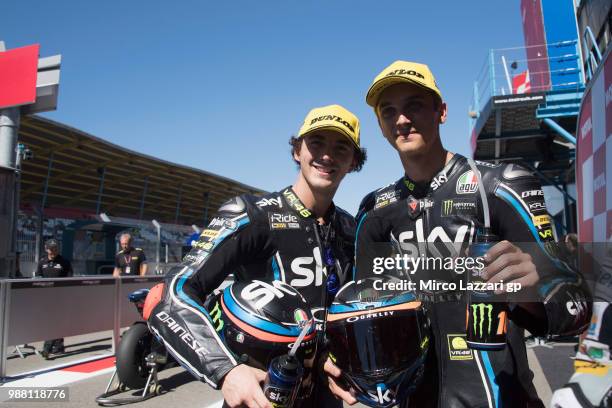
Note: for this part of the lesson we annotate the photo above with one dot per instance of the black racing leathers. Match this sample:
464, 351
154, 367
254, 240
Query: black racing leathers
440, 219
266, 238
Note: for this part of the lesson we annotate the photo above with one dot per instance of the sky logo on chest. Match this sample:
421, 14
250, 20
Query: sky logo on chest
467, 183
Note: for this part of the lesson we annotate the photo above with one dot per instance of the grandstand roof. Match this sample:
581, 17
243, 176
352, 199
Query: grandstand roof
82, 168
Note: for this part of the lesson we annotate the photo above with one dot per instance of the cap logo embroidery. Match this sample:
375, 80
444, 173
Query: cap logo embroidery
332, 117
404, 72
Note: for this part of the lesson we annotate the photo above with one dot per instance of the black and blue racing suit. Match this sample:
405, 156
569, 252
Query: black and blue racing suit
440, 218
274, 237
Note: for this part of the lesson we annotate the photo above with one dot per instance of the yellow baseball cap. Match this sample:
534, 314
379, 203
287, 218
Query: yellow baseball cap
401, 72
332, 117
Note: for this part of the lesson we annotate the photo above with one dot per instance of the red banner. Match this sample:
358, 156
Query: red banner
521, 83
18, 70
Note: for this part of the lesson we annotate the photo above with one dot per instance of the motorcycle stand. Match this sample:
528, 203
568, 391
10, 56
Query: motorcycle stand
151, 388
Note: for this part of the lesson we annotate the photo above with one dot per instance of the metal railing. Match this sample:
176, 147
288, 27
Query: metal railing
550, 67
593, 55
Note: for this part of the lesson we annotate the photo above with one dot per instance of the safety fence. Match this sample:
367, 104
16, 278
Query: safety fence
33, 310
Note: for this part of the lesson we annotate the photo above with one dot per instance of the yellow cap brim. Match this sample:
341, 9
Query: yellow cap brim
379, 86
336, 129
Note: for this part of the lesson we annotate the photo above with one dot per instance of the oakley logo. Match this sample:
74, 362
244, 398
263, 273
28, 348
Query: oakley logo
404, 72
353, 319
334, 118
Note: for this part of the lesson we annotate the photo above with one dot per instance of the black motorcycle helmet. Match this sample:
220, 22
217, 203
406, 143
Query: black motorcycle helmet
260, 320
379, 338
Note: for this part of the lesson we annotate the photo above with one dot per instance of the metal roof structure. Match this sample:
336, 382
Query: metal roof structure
75, 171
509, 129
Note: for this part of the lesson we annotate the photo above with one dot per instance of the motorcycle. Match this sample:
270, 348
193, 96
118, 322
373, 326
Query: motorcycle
139, 356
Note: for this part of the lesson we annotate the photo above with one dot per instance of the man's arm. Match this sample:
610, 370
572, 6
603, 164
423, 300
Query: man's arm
558, 301
181, 320
372, 242
143, 264
117, 270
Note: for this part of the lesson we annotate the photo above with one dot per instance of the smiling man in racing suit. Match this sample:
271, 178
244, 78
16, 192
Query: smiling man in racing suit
296, 235
435, 211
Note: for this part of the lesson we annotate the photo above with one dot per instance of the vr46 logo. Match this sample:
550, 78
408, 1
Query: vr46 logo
546, 233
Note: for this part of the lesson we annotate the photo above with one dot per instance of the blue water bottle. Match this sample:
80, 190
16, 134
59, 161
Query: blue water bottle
283, 381
285, 374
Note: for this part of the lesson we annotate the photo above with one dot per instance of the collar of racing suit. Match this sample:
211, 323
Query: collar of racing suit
294, 202
420, 189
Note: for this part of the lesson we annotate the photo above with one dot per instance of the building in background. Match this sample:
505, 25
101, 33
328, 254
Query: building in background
83, 191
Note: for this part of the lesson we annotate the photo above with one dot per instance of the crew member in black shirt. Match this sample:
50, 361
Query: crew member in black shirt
53, 266
129, 261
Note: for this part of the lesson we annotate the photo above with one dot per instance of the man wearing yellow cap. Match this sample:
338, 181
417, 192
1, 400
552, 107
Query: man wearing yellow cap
441, 204
296, 235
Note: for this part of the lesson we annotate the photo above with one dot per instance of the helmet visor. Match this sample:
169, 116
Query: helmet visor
372, 345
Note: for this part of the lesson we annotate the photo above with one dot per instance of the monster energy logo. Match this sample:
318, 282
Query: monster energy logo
215, 315
481, 307
447, 207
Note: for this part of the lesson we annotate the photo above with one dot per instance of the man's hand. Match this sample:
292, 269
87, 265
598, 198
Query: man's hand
333, 373
507, 262
242, 387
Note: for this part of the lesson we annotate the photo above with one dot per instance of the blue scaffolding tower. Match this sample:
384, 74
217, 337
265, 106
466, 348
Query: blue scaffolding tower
525, 110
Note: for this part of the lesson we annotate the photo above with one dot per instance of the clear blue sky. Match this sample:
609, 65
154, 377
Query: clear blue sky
221, 86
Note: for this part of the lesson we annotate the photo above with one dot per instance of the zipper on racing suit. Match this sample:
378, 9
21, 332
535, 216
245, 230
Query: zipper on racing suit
434, 319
